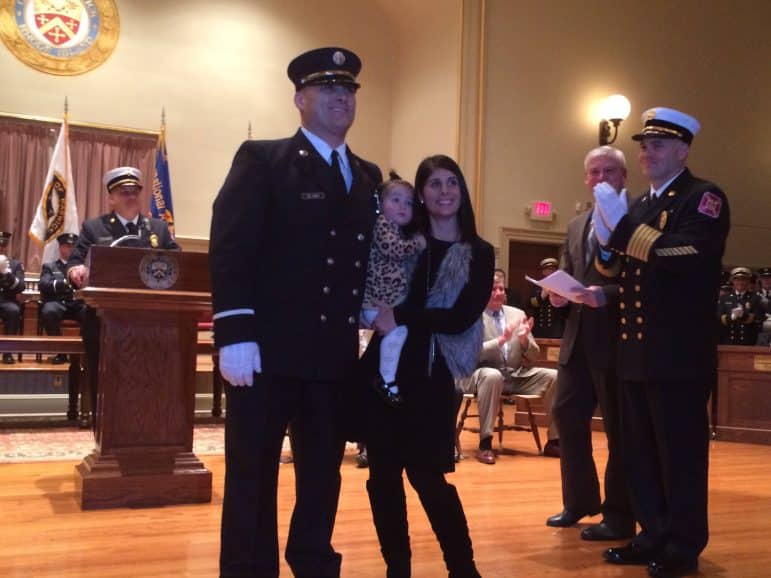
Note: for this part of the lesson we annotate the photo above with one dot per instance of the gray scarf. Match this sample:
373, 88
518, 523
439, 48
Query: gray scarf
460, 350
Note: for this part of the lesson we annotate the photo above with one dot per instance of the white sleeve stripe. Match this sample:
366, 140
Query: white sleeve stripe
232, 312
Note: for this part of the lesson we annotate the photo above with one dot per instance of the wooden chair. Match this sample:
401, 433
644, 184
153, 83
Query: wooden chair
518, 399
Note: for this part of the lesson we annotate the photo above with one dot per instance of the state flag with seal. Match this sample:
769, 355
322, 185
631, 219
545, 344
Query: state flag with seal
57, 212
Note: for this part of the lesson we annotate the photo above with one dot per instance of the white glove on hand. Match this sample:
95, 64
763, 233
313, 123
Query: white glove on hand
239, 361
612, 205
736, 313
600, 229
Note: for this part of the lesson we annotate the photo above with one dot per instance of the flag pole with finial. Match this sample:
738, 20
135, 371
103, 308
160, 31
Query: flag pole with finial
249, 131
67, 165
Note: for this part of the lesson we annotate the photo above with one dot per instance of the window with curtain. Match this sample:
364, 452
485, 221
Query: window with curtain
26, 146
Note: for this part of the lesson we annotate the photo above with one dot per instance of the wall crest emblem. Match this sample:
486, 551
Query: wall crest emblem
64, 37
158, 270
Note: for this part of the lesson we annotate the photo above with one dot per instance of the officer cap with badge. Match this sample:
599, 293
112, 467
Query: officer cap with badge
741, 273
661, 122
764, 272
330, 65
4, 238
67, 239
549, 263
129, 176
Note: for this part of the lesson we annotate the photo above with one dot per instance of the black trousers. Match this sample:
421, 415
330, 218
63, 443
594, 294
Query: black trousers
666, 444
441, 503
256, 421
579, 389
52, 313
10, 313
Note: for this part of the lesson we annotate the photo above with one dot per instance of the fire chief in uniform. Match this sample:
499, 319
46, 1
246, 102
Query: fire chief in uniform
290, 238
668, 247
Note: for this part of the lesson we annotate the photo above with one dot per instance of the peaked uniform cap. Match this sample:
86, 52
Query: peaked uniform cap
122, 176
330, 65
661, 122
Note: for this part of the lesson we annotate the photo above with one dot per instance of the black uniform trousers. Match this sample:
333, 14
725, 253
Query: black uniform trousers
666, 447
256, 421
10, 313
579, 389
52, 313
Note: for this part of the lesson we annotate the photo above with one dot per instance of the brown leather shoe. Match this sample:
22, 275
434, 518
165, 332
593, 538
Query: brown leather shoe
486, 457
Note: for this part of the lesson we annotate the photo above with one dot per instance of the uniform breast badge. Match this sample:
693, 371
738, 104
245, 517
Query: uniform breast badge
63, 37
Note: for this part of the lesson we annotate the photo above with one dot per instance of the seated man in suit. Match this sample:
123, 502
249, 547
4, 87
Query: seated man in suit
126, 223
11, 284
507, 340
57, 294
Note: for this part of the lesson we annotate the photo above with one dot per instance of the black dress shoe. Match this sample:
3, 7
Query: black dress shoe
630, 554
552, 448
564, 519
8, 359
383, 389
669, 567
603, 531
59, 358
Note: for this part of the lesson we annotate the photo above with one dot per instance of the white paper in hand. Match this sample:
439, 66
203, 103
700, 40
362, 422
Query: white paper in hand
562, 284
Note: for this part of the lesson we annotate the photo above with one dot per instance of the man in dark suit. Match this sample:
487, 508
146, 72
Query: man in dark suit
125, 226
740, 312
587, 376
11, 284
58, 299
290, 238
668, 246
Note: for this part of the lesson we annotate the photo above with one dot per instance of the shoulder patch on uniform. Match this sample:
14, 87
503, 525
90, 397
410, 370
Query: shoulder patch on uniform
710, 205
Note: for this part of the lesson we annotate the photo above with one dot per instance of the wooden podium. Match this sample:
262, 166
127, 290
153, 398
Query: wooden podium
148, 302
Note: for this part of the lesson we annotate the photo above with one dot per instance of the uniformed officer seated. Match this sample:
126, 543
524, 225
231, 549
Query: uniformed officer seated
764, 292
740, 312
58, 301
549, 320
11, 284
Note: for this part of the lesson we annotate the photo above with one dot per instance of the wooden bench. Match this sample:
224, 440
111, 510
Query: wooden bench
73, 346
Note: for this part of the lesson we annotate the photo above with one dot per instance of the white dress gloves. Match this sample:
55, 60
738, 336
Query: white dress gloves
601, 230
612, 205
239, 362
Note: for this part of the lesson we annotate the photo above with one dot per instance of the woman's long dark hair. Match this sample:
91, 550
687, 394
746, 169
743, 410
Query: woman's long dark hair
466, 222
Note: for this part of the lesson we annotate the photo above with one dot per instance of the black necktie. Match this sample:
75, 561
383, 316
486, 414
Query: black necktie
337, 169
591, 244
131, 228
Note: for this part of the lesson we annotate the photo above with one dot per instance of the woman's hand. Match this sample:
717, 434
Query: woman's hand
385, 322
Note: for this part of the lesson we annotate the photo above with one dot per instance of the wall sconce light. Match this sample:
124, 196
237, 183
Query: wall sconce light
613, 110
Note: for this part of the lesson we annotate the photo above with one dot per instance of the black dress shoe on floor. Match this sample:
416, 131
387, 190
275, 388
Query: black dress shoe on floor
564, 519
59, 358
383, 389
8, 359
603, 531
668, 567
630, 554
552, 449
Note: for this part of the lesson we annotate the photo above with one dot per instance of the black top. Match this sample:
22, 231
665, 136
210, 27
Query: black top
422, 431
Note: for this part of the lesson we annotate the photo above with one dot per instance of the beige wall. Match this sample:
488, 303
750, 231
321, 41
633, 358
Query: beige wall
215, 66
549, 61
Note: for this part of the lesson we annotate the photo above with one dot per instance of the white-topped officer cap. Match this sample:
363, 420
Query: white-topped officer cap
661, 122
122, 176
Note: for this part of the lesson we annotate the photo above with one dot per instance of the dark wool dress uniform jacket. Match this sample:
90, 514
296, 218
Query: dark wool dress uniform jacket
53, 284
107, 228
667, 329
745, 329
288, 242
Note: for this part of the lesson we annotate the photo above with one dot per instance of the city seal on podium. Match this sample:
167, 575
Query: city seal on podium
159, 270
63, 37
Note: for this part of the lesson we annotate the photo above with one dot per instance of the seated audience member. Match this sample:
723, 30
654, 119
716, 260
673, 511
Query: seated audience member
740, 312
507, 340
513, 298
57, 294
124, 187
764, 292
11, 284
549, 321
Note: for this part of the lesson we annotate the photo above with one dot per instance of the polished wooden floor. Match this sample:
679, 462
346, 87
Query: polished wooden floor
44, 534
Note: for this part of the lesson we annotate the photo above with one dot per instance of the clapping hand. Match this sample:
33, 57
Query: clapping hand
524, 329
601, 230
